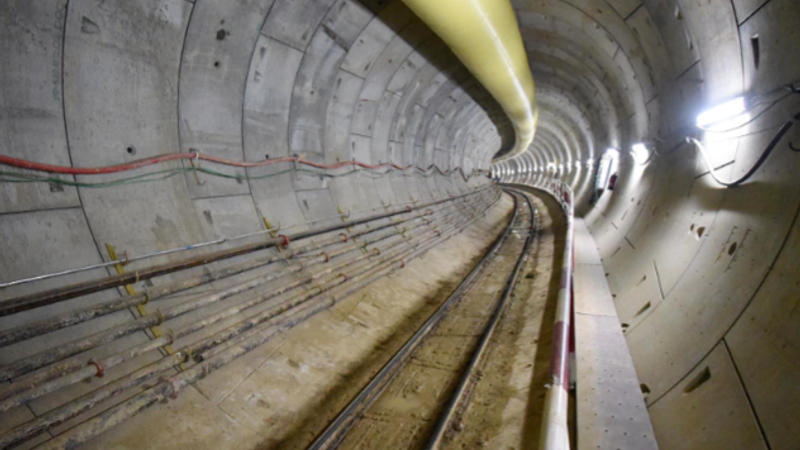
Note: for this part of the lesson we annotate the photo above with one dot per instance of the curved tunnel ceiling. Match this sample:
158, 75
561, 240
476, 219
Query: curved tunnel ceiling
693, 266
704, 278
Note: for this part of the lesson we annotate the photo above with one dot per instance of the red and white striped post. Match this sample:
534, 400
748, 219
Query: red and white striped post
555, 434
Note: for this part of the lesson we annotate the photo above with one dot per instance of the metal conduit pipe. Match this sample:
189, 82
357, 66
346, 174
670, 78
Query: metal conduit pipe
20, 333
190, 247
304, 297
245, 337
35, 361
130, 260
218, 339
62, 367
171, 387
142, 375
35, 300
85, 372
40, 376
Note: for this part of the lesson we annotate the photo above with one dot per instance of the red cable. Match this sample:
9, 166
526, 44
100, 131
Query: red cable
52, 168
23, 164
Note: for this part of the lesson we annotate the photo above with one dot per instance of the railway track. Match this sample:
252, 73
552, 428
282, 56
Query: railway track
454, 366
419, 397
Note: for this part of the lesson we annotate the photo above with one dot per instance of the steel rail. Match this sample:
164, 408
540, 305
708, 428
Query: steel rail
256, 333
467, 379
47, 297
331, 436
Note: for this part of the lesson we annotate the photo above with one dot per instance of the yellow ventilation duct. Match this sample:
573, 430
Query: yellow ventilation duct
485, 36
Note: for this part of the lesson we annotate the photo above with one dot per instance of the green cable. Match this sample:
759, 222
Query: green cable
18, 177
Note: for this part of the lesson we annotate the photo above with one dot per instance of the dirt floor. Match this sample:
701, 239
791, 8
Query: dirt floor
284, 393
502, 410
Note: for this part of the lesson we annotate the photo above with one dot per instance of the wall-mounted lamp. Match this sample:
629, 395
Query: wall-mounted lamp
724, 116
640, 152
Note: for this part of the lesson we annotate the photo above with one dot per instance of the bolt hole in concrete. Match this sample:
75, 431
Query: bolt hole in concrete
732, 248
221, 33
698, 380
700, 231
216, 63
131, 150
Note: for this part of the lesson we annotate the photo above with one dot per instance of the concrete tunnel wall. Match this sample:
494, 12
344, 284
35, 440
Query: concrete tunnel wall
88, 83
705, 278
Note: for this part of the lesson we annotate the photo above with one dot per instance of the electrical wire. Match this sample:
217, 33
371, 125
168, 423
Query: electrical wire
18, 177
193, 156
763, 157
749, 120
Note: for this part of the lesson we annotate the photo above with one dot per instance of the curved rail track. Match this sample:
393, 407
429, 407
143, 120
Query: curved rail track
454, 367
443, 359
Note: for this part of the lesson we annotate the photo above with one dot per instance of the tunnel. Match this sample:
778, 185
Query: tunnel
399, 224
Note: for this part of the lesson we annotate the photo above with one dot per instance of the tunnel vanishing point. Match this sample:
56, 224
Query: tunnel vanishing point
380, 224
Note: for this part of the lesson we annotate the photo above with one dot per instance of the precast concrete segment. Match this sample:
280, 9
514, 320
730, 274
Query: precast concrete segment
486, 38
